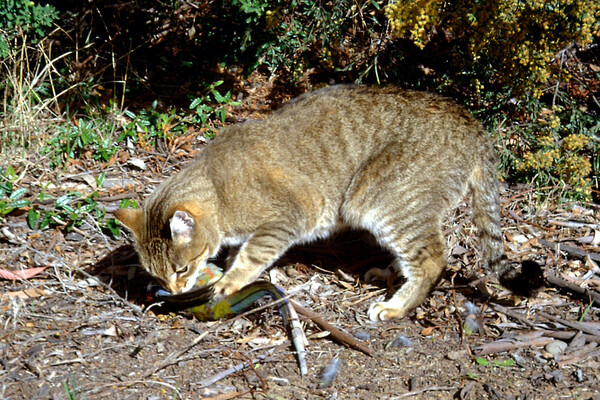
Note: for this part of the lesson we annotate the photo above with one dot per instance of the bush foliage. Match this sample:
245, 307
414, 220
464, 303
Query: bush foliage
19, 18
518, 40
528, 69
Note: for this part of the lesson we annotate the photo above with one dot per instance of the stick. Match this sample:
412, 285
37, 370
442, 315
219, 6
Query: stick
563, 335
224, 374
573, 225
336, 334
572, 325
424, 390
173, 359
560, 282
514, 315
574, 251
510, 344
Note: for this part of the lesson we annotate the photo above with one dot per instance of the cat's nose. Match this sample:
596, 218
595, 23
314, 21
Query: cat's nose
175, 287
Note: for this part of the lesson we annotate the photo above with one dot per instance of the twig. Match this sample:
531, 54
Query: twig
425, 390
175, 357
336, 334
570, 324
135, 308
577, 252
581, 355
513, 343
298, 337
564, 335
512, 314
560, 282
516, 217
573, 225
224, 374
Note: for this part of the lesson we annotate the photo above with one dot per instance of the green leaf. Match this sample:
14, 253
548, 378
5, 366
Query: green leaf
505, 363
482, 361
46, 220
63, 201
100, 180
113, 226
16, 204
195, 103
219, 98
17, 194
129, 114
32, 218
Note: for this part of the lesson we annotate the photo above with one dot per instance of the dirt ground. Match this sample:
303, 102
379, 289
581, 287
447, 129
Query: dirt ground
84, 328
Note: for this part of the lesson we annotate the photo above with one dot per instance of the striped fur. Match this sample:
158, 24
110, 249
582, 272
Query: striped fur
391, 161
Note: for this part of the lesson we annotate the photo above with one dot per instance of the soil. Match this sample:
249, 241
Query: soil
83, 328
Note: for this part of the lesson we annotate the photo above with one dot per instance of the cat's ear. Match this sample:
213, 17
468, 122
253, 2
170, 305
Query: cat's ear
182, 227
132, 218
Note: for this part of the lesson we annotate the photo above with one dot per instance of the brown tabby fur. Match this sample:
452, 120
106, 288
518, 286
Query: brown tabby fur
391, 161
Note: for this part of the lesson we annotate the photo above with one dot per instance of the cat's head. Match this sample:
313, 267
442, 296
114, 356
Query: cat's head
174, 249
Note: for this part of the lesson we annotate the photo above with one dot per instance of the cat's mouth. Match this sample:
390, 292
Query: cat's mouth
193, 297
199, 293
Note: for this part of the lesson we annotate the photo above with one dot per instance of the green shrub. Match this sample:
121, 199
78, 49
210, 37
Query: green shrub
517, 40
23, 18
11, 198
514, 59
298, 37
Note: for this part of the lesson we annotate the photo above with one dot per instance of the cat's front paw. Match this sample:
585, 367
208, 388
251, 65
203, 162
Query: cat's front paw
226, 286
385, 311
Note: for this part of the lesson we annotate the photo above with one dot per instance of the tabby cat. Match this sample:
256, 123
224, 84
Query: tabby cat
384, 159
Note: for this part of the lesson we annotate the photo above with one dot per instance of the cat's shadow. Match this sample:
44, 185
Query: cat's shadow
353, 252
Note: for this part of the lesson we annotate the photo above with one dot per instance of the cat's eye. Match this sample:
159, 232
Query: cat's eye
182, 270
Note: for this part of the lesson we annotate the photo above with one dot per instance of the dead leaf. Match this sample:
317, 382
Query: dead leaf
21, 274
596, 239
27, 293
138, 163
428, 331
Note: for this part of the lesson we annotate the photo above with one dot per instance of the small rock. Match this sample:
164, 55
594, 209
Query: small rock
458, 355
280, 381
74, 237
556, 347
399, 341
471, 308
362, 335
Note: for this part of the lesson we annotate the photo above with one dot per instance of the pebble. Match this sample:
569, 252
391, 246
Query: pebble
362, 335
399, 341
556, 347
458, 355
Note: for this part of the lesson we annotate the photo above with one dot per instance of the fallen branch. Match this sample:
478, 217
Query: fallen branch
564, 335
573, 287
570, 324
534, 339
574, 251
512, 314
336, 334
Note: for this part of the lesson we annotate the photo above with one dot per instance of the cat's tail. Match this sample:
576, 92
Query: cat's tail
524, 279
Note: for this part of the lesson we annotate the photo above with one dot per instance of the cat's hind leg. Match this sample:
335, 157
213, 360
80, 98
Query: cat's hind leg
402, 202
421, 266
